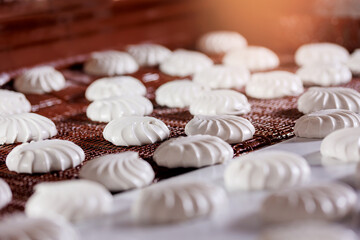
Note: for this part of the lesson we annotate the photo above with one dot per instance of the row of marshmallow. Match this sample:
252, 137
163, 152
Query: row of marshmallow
137, 131
183, 93
323, 64
251, 171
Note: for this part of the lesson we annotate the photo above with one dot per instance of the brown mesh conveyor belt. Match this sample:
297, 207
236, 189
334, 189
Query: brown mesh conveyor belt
273, 119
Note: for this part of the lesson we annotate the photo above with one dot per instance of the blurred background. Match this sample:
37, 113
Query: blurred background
37, 31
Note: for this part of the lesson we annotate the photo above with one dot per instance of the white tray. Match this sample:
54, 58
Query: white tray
238, 221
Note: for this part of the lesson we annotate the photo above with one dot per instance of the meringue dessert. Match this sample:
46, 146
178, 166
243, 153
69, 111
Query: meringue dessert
354, 62
266, 170
184, 63
5, 194
40, 80
44, 156
321, 123
25, 127
220, 76
192, 151
114, 87
177, 202
231, 129
219, 42
148, 54
13, 102
72, 200
135, 131
275, 84
20, 227
326, 202
254, 58
220, 102
118, 172
178, 93
110, 63
341, 146
105, 110
324, 74
316, 98
311, 53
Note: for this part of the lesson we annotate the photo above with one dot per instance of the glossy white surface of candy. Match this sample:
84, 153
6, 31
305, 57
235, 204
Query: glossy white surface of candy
25, 127
220, 76
341, 146
135, 131
327, 201
73, 200
148, 54
231, 129
218, 42
274, 84
184, 63
178, 93
13, 102
311, 53
193, 151
40, 80
20, 227
321, 123
178, 202
118, 172
114, 87
5, 193
316, 98
110, 63
324, 74
253, 57
220, 102
266, 170
105, 110
44, 156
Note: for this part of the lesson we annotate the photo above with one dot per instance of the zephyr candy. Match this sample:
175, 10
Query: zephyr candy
341, 146
25, 127
40, 80
184, 63
218, 42
114, 87
118, 172
110, 63
317, 98
193, 151
148, 54
220, 76
105, 110
178, 93
135, 131
188, 200
311, 53
266, 170
231, 129
254, 58
5, 194
275, 84
220, 102
20, 227
44, 156
327, 201
13, 102
321, 123
73, 200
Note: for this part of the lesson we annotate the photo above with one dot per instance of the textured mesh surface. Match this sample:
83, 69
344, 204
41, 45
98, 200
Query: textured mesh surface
273, 119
